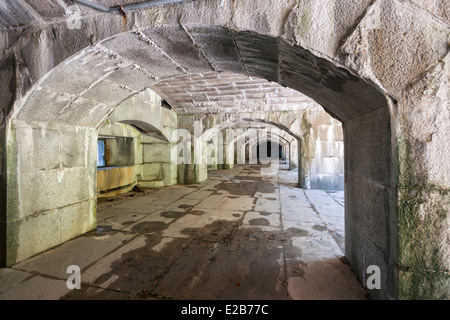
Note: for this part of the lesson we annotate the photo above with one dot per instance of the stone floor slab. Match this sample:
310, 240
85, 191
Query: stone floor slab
9, 278
37, 288
262, 219
81, 252
204, 241
121, 220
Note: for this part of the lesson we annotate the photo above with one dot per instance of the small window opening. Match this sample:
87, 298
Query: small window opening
101, 160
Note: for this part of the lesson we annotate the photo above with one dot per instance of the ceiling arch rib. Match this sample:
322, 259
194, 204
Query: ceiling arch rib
146, 129
268, 126
121, 66
214, 92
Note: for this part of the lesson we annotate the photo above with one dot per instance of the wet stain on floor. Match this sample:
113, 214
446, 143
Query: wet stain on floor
248, 178
238, 188
265, 187
219, 231
196, 212
138, 272
259, 222
149, 227
172, 214
297, 232
221, 259
319, 227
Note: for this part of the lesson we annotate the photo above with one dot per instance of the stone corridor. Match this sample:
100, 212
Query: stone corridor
245, 233
100, 97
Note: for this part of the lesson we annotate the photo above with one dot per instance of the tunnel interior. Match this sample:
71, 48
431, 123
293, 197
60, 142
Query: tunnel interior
184, 82
117, 72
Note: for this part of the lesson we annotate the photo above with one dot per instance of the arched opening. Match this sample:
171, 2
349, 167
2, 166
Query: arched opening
137, 152
122, 66
395, 124
240, 138
264, 150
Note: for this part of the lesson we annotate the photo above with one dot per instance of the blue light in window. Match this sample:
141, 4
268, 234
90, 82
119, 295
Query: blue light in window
101, 153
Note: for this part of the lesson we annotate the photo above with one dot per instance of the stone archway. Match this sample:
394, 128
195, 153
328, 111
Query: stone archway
240, 133
342, 64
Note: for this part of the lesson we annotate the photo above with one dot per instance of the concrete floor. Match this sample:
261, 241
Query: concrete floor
238, 235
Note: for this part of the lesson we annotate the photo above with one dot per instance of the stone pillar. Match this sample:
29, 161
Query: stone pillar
423, 135
195, 170
158, 163
213, 152
300, 169
370, 217
45, 203
228, 147
170, 166
8, 92
3, 198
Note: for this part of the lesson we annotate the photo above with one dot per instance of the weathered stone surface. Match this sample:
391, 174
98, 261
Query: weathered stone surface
8, 89
227, 93
422, 40
371, 158
217, 44
57, 182
69, 162
435, 7
82, 252
259, 54
14, 14
43, 231
424, 131
147, 155
132, 77
349, 57
48, 289
10, 278
3, 196
31, 142
64, 108
176, 42
108, 92
367, 210
138, 48
49, 10
424, 285
423, 214
423, 175
323, 24
300, 284
326, 83
268, 17
365, 254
